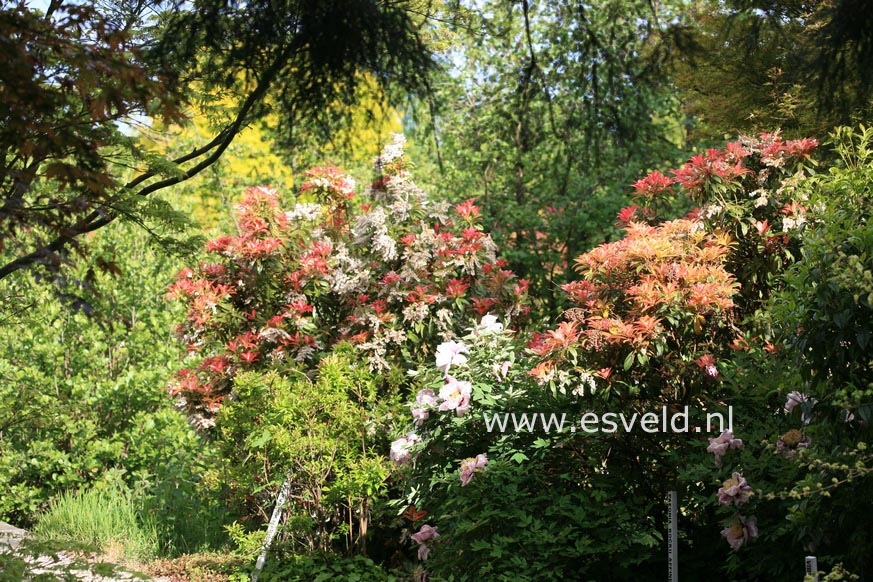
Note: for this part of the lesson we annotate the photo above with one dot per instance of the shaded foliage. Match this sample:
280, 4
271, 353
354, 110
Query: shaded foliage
755, 65
286, 50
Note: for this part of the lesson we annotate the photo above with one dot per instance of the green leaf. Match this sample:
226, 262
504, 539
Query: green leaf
519, 458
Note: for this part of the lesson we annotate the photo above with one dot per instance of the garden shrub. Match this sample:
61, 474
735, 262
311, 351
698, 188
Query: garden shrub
322, 435
84, 399
663, 319
300, 330
813, 464
391, 272
509, 505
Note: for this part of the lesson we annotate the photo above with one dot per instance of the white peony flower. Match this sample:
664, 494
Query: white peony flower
451, 353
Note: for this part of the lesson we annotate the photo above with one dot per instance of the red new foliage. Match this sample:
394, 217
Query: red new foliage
654, 310
394, 275
639, 295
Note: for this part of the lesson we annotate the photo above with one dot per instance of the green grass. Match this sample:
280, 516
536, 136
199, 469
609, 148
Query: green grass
107, 518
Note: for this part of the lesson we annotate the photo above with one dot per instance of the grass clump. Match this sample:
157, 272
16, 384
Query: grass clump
108, 518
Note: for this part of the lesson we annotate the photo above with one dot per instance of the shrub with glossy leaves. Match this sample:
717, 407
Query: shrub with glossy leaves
391, 272
659, 317
492, 497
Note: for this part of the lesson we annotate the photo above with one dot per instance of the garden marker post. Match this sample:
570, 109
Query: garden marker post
271, 529
672, 540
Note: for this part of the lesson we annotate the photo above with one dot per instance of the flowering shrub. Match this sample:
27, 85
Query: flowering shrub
699, 312
810, 462
391, 271
722, 444
747, 191
672, 315
660, 314
502, 501
790, 373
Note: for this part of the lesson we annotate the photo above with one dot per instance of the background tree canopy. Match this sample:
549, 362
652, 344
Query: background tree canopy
75, 73
756, 65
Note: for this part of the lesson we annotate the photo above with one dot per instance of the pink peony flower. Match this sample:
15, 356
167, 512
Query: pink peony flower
463, 405
734, 490
419, 415
425, 399
400, 448
720, 445
472, 465
791, 442
795, 398
425, 534
451, 353
740, 531
455, 395
423, 551
501, 371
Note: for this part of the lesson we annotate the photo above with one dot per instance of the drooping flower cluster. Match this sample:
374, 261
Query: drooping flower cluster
337, 267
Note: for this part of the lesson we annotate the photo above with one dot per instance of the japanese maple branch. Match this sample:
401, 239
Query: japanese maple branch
99, 217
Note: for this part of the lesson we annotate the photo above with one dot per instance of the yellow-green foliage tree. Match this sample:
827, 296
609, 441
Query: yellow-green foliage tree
358, 136
265, 152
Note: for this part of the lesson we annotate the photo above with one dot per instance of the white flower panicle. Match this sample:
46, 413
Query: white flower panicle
304, 212
415, 312
372, 229
349, 275
392, 151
